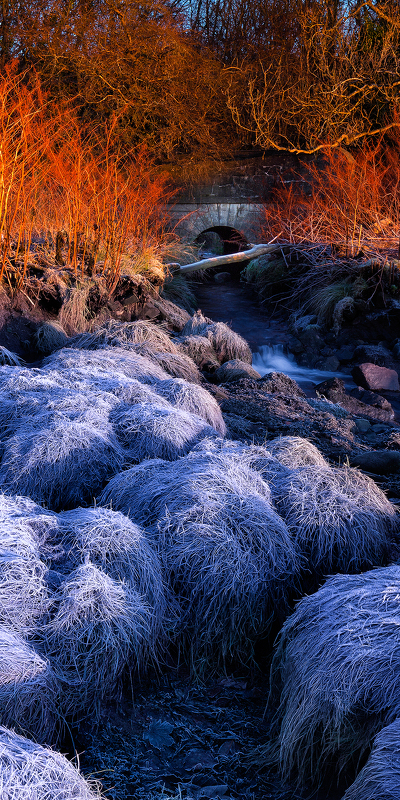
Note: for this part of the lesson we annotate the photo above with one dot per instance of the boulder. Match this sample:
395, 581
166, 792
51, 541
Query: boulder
279, 383
334, 390
376, 378
379, 462
372, 399
374, 354
345, 354
234, 370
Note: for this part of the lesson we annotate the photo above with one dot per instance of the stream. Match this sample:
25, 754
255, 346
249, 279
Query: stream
235, 304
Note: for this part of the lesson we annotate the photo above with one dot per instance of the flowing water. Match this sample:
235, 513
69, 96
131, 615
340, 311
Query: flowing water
234, 303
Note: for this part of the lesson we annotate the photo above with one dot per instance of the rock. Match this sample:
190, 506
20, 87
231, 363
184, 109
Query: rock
234, 370
374, 354
379, 462
294, 345
345, 354
362, 425
222, 277
330, 364
334, 390
311, 339
299, 324
278, 382
376, 378
372, 399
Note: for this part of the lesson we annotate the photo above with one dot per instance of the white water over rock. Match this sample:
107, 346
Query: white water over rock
271, 358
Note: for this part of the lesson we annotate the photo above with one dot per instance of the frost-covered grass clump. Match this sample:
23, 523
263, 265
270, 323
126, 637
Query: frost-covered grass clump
109, 359
100, 627
380, 777
112, 542
125, 334
153, 431
228, 555
338, 661
28, 687
226, 343
178, 365
195, 399
61, 464
29, 771
338, 517
294, 451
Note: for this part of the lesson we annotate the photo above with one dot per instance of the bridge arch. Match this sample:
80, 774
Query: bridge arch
190, 220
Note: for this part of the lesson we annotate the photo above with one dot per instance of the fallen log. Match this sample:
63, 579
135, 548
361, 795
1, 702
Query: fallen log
254, 251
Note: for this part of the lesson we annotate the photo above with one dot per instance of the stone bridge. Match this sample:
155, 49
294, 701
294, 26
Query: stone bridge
229, 204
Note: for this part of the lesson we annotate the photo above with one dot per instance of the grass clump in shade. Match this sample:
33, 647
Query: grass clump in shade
294, 451
100, 627
194, 399
200, 349
226, 343
110, 359
338, 662
338, 517
151, 431
232, 564
112, 542
178, 365
380, 777
60, 465
119, 334
177, 290
7, 358
29, 771
27, 688
49, 337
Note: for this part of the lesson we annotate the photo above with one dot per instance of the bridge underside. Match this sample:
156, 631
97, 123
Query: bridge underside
190, 220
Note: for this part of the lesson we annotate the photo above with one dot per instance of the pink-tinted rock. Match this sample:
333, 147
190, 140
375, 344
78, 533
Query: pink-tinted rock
375, 378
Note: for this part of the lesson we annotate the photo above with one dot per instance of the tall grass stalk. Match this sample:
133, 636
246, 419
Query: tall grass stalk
60, 180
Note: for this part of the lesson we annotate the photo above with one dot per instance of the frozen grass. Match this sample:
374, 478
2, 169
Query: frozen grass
339, 664
29, 771
112, 542
24, 597
196, 326
27, 687
152, 431
177, 364
338, 517
232, 564
118, 334
227, 344
49, 337
100, 627
294, 451
147, 491
135, 392
255, 457
61, 465
110, 359
7, 358
200, 349
380, 777
189, 397
27, 529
